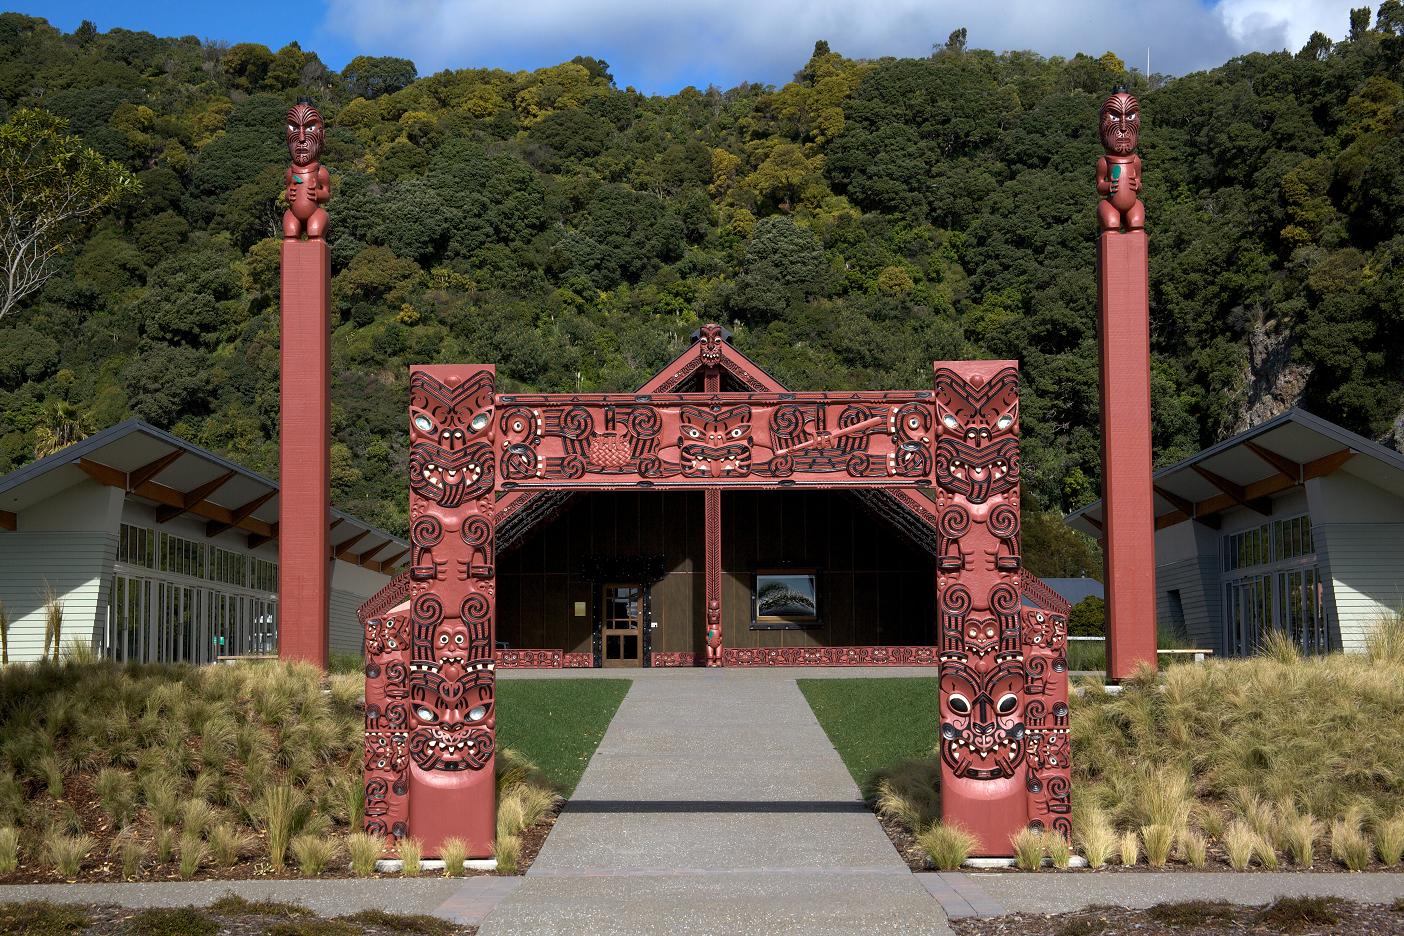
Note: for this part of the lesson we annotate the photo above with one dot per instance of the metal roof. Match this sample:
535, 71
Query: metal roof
181, 477
1248, 469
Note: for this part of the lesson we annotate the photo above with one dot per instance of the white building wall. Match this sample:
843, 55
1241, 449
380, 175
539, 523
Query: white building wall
351, 587
68, 542
1358, 529
1187, 561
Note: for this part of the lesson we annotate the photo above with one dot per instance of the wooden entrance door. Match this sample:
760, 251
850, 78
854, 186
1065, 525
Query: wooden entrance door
622, 624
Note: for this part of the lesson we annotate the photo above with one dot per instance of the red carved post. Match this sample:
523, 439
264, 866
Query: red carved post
709, 349
451, 681
1049, 777
978, 598
1127, 497
304, 553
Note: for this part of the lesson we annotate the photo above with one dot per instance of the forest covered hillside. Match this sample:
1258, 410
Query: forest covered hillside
850, 226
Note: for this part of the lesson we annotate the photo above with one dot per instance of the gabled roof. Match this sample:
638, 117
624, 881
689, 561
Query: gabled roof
180, 477
1249, 468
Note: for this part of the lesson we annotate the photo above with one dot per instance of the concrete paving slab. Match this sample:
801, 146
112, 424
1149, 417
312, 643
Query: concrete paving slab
716, 805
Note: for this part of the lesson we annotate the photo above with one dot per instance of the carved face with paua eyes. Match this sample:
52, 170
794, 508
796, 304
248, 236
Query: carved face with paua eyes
305, 133
715, 443
452, 718
982, 728
1121, 124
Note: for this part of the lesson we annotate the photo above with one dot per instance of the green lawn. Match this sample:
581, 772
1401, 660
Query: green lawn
873, 723
557, 723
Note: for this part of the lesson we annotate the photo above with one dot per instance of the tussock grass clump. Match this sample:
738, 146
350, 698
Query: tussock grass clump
1349, 844
229, 843
42, 918
1193, 913
909, 793
508, 852
1028, 849
116, 793
1194, 848
1265, 853
1098, 841
66, 852
231, 904
1058, 849
197, 816
193, 853
313, 853
1240, 843
453, 851
365, 849
1286, 913
416, 924
1297, 834
410, 851
1389, 839
9, 849
172, 921
130, 852
278, 809
947, 845
1129, 849
1159, 840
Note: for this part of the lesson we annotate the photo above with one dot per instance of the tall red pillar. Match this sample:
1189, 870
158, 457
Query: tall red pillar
711, 383
304, 553
1128, 505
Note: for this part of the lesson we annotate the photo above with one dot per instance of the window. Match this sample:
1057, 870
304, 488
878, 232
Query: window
786, 598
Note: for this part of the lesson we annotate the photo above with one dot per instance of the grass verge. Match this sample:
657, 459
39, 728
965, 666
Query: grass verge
876, 723
557, 723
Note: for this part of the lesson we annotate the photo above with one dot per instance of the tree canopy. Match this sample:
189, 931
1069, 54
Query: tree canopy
850, 227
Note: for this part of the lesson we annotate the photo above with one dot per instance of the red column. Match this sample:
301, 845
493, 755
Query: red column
304, 498
1127, 498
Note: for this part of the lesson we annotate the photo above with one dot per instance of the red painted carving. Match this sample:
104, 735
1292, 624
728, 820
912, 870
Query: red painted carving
713, 575
1119, 170
578, 661
307, 181
1049, 769
830, 656
659, 660
978, 598
529, 659
699, 440
433, 657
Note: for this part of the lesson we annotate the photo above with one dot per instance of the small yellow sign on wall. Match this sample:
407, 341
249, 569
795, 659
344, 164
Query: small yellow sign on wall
580, 609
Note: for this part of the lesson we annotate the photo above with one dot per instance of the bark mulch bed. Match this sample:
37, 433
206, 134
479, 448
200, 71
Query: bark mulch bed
1295, 916
228, 917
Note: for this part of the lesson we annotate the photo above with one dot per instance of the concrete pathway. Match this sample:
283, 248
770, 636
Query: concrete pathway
716, 805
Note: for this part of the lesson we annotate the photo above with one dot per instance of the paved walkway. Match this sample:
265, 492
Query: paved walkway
716, 805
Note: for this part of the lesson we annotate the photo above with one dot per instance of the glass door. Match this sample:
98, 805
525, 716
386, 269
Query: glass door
621, 625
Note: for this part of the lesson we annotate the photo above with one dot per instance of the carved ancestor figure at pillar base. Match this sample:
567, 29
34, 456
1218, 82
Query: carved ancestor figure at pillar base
714, 637
307, 181
1119, 170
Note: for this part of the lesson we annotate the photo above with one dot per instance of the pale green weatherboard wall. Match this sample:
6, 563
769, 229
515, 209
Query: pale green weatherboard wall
78, 566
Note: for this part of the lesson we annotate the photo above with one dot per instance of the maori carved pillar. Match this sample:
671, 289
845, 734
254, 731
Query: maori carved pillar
1127, 497
451, 682
1049, 767
304, 553
978, 599
709, 349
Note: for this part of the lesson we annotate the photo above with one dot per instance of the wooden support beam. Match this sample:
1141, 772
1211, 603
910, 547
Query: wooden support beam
1283, 465
1183, 504
387, 564
239, 514
258, 539
339, 551
1235, 492
193, 499
104, 473
1326, 464
139, 476
169, 497
8, 520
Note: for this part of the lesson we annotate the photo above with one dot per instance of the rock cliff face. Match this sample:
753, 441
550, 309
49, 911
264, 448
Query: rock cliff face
1272, 381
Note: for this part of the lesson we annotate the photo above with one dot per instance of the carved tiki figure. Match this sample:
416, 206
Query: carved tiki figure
308, 184
1119, 169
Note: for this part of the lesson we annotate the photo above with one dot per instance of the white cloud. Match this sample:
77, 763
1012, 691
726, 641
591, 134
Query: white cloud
660, 46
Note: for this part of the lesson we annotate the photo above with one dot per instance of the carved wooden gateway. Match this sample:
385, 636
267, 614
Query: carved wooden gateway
479, 458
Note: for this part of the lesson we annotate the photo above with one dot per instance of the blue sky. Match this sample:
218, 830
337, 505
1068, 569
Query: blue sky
660, 47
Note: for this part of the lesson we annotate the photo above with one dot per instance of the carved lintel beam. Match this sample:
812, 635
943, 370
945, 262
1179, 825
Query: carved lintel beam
339, 551
9, 520
239, 514
258, 539
1283, 465
139, 476
193, 499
